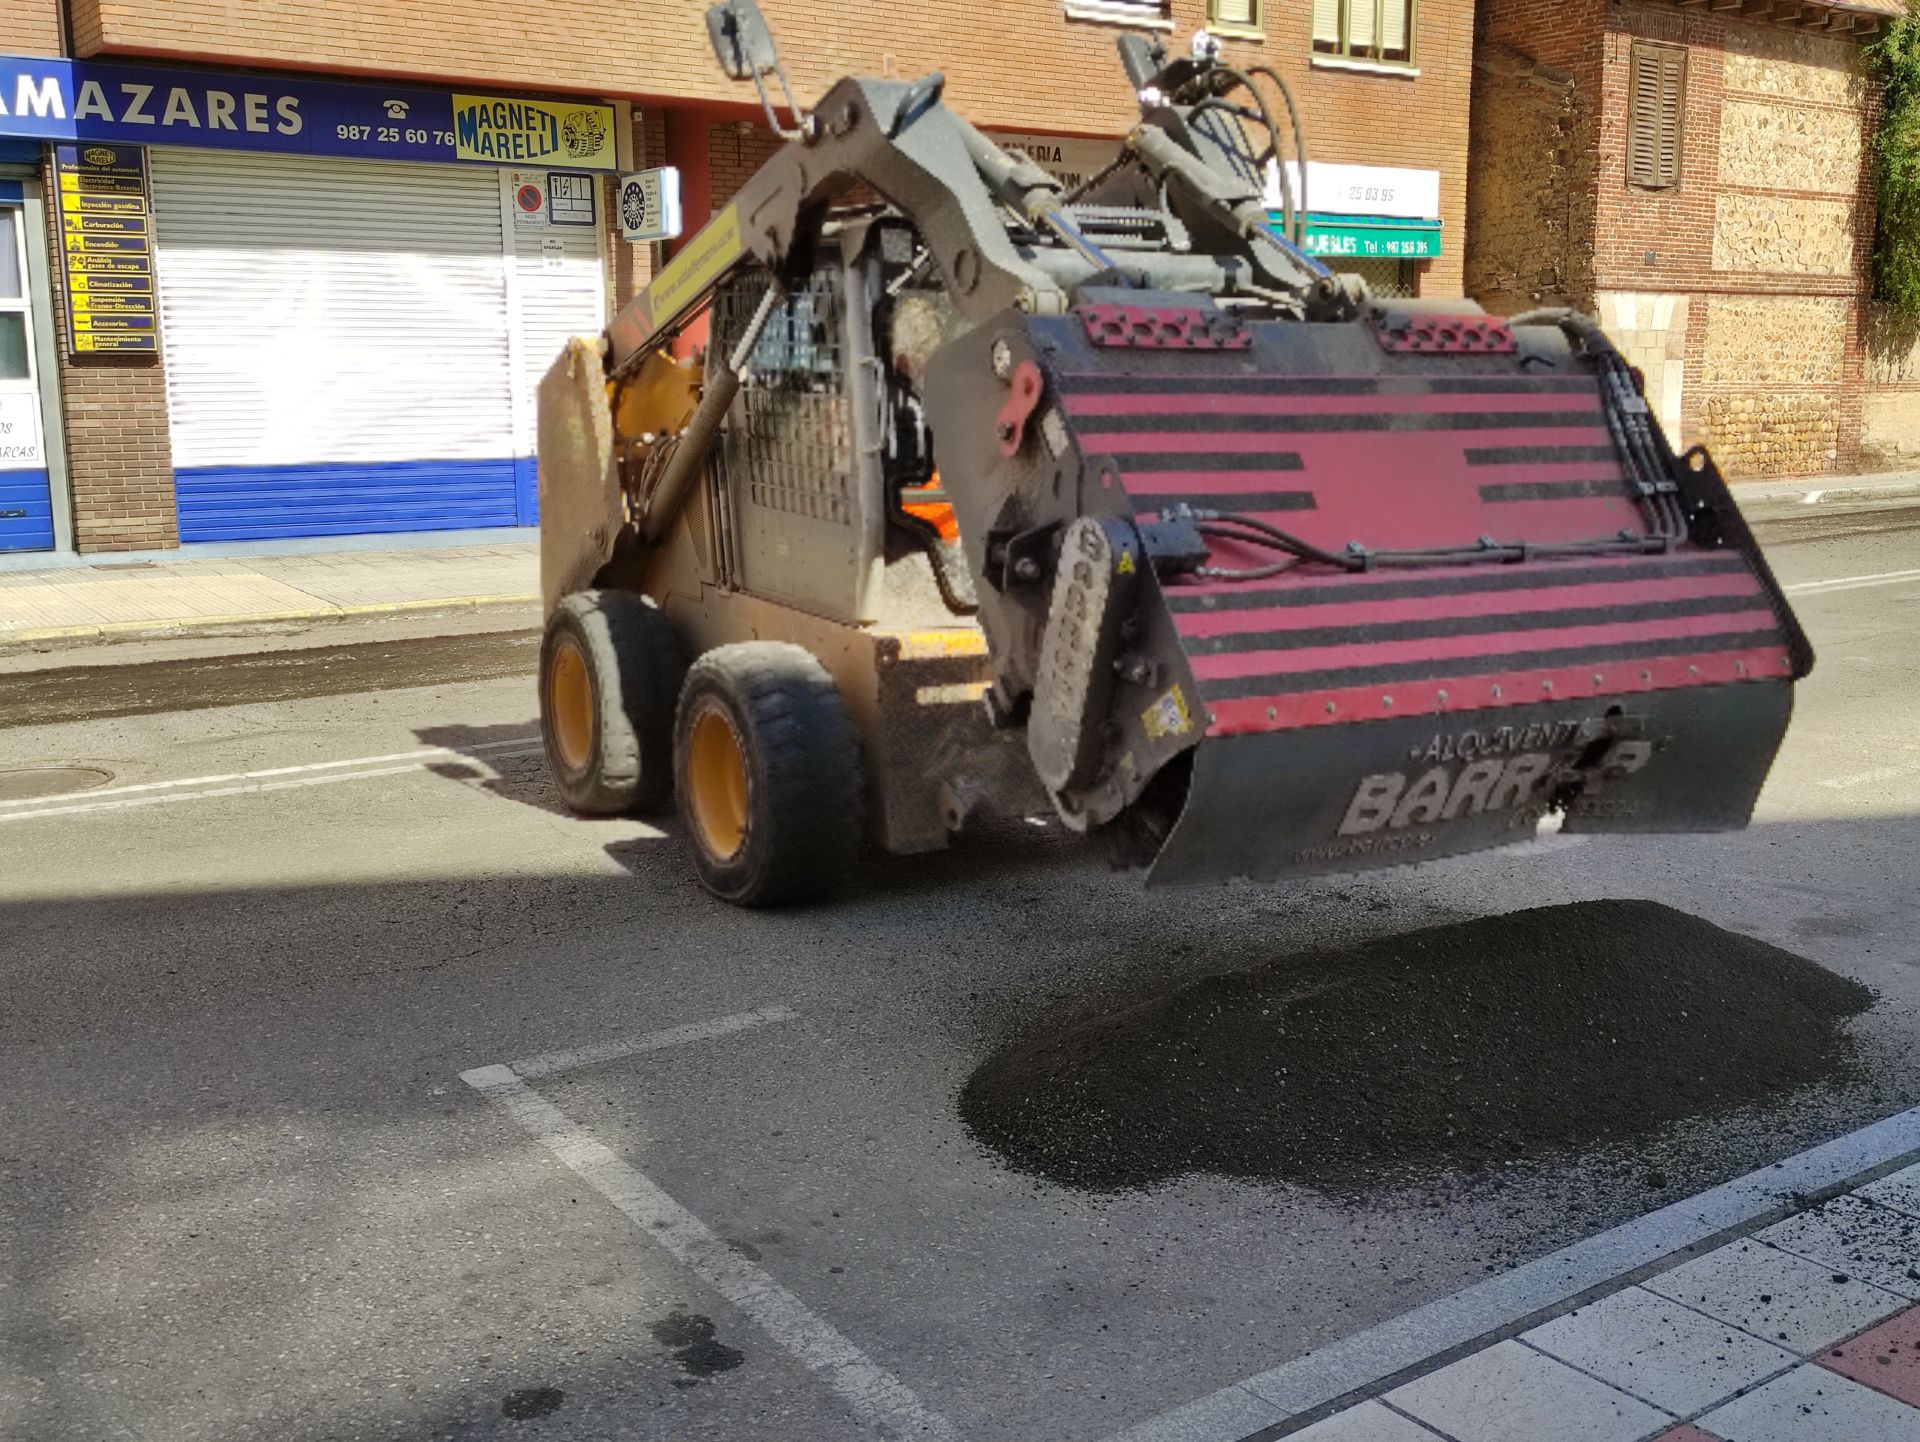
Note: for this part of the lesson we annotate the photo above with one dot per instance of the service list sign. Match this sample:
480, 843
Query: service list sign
106, 249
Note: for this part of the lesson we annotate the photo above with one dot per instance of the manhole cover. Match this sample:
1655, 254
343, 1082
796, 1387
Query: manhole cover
32, 781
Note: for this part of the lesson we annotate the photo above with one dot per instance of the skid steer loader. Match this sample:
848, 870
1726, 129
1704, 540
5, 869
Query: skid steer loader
987, 497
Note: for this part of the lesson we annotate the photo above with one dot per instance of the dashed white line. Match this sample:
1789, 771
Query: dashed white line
876, 1397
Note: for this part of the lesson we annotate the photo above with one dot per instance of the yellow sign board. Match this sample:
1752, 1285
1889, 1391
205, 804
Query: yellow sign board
699, 264
106, 246
521, 132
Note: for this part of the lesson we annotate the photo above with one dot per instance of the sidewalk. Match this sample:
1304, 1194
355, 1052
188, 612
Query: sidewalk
108, 598
1808, 1331
50, 602
1769, 497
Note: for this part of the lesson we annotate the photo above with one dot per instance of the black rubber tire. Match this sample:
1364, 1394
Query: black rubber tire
803, 819
634, 668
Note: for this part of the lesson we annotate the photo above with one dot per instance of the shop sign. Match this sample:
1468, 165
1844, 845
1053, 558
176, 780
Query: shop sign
19, 430
1338, 237
1069, 159
513, 132
1385, 191
106, 249
570, 199
74, 101
543, 199
650, 205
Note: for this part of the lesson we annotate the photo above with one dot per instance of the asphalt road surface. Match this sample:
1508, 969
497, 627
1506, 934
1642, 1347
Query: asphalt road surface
262, 1174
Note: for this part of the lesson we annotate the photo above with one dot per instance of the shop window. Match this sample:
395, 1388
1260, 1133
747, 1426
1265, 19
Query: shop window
1232, 15
1156, 14
1656, 115
1389, 279
14, 363
1373, 32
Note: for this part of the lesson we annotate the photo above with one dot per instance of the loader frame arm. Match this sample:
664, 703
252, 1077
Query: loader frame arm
899, 139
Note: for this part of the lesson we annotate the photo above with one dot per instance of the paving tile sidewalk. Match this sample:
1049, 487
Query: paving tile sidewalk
1808, 1331
115, 598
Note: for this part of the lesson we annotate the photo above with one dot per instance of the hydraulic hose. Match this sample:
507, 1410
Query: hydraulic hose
691, 446
1299, 145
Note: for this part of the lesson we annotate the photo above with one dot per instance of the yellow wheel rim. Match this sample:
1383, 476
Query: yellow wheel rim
570, 704
717, 784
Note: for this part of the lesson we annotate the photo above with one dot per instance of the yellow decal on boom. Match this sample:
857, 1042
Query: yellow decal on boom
696, 267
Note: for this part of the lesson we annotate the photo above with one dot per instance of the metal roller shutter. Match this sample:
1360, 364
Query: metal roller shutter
558, 290
338, 347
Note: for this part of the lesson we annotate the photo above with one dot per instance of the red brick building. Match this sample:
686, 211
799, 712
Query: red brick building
342, 334
1696, 174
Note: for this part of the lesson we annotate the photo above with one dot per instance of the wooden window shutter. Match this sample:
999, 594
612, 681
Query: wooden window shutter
1393, 27
1363, 29
1244, 13
1326, 24
1656, 115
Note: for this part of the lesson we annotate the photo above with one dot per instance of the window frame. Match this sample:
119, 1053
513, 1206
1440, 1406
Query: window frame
1344, 56
22, 304
1662, 180
1132, 13
1252, 28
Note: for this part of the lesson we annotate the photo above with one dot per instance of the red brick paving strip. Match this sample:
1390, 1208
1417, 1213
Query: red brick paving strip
1687, 1432
1886, 1359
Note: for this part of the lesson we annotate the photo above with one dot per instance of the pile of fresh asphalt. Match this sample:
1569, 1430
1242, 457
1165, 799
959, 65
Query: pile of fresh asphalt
1444, 1051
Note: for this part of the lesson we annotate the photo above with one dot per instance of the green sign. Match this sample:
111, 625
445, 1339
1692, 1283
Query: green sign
1350, 237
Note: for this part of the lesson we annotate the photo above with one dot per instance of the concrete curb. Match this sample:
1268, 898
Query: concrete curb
1837, 490
251, 622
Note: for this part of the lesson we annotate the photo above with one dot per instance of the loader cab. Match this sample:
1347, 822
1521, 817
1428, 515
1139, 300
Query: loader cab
824, 494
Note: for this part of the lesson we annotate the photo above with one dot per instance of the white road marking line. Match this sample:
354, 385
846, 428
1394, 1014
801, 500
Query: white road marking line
426, 753
1851, 583
247, 789
552, 1062
878, 1398
1867, 778
1352, 1363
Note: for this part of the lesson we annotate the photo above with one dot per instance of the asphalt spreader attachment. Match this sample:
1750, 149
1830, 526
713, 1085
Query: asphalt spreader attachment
1527, 1039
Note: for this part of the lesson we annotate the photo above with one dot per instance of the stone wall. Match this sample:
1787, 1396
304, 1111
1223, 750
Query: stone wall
1783, 235
1775, 340
1893, 347
1792, 65
1890, 417
1890, 431
1779, 146
1530, 210
1775, 434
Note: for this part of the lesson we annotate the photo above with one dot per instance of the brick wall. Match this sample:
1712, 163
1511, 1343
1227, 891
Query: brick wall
1753, 269
119, 448
30, 27
1013, 65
